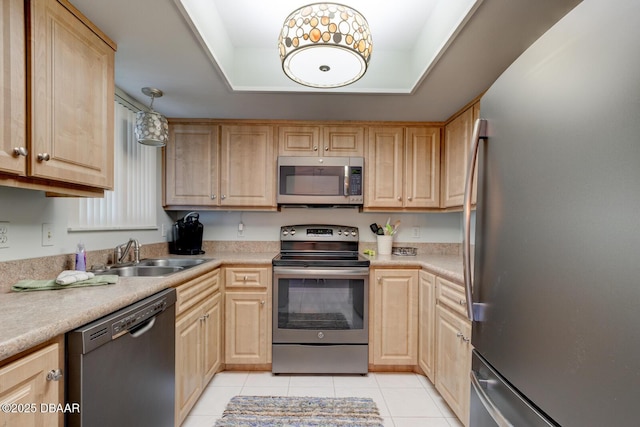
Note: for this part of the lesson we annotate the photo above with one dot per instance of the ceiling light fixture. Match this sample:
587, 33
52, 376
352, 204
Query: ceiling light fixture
325, 45
152, 128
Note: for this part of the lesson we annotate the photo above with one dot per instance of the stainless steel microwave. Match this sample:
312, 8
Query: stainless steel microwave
320, 180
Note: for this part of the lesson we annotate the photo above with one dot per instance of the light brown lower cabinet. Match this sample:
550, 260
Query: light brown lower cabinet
453, 348
427, 324
247, 315
394, 336
198, 339
25, 386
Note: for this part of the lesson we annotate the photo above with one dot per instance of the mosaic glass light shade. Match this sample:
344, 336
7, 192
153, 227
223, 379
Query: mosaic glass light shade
325, 45
151, 128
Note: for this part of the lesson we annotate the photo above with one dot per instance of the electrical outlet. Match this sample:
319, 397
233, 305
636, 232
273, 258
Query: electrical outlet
240, 229
47, 235
415, 232
4, 234
163, 230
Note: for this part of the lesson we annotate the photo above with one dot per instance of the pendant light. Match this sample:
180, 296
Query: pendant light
152, 128
325, 45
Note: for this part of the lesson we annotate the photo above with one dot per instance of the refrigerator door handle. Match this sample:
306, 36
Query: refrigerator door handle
479, 132
491, 408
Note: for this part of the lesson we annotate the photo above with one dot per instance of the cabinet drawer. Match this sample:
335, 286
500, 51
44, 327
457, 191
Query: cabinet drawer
192, 292
247, 277
451, 295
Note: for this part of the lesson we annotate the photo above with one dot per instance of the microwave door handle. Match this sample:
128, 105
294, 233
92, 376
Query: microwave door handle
346, 181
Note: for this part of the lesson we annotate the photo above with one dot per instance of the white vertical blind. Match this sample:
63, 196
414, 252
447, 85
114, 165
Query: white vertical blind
132, 203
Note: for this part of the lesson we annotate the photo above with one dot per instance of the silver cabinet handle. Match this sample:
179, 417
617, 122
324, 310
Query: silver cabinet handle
491, 408
20, 151
326, 148
462, 302
410, 198
44, 157
54, 375
262, 302
245, 278
399, 198
223, 197
315, 148
479, 132
213, 197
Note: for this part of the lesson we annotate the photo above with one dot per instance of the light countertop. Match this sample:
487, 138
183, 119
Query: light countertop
30, 318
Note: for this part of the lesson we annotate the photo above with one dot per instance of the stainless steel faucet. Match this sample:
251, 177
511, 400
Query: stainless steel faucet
119, 255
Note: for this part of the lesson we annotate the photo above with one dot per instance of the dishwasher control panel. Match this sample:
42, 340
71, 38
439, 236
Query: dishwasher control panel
114, 325
134, 319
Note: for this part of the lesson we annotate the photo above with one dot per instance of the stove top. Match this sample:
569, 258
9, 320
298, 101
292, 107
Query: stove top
320, 260
314, 245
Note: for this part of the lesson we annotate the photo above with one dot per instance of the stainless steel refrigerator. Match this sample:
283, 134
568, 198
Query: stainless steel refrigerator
556, 272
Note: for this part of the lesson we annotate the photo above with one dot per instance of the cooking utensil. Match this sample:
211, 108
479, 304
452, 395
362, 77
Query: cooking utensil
374, 227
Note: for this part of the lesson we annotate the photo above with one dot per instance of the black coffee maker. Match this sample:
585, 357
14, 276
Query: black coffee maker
187, 235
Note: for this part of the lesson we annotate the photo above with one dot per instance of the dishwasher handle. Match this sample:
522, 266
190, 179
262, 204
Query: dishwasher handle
143, 328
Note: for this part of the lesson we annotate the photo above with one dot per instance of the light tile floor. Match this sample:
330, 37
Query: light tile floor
403, 399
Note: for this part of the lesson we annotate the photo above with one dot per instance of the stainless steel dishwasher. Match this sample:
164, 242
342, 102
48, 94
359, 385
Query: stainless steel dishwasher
121, 368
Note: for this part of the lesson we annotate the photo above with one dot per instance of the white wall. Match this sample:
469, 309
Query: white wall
265, 226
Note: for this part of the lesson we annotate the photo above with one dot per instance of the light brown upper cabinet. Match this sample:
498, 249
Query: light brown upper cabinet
69, 111
455, 156
191, 165
13, 120
211, 166
247, 166
402, 168
322, 140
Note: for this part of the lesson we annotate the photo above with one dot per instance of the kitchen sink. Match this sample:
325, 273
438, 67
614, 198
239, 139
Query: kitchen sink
173, 262
158, 267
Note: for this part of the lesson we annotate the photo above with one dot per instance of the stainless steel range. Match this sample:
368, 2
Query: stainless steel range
320, 301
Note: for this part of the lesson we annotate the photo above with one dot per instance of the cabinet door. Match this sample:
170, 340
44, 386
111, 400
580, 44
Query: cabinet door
342, 141
13, 88
189, 352
24, 382
246, 327
384, 167
298, 140
212, 337
426, 324
247, 166
422, 168
453, 361
191, 165
457, 139
395, 317
72, 96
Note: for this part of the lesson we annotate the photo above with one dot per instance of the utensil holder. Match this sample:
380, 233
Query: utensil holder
384, 245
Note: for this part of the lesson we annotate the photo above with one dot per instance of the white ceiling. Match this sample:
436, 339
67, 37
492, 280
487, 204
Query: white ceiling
157, 47
407, 41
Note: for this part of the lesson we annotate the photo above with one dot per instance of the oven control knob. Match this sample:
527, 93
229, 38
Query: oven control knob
320, 335
293, 231
285, 232
353, 232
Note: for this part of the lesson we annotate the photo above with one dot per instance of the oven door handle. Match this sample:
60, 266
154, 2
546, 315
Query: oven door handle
338, 271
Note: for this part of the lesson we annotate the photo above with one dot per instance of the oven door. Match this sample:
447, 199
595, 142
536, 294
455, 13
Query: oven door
320, 305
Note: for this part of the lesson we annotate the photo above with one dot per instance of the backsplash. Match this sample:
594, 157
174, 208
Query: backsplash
50, 266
